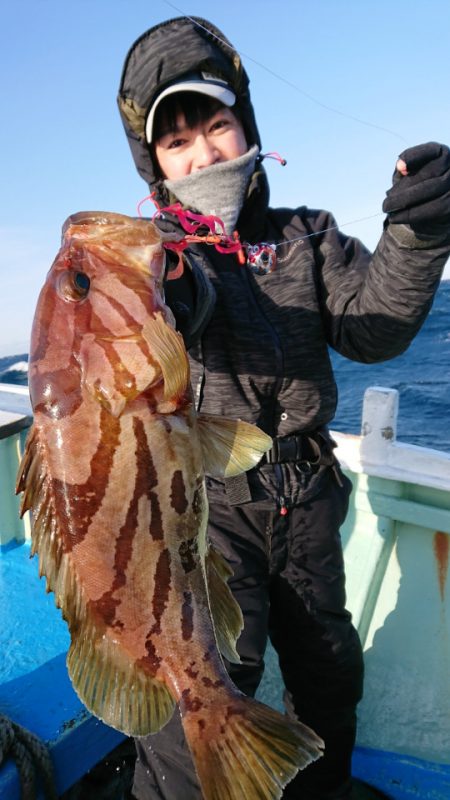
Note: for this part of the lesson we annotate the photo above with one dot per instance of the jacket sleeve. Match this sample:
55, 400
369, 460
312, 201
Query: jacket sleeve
191, 298
374, 304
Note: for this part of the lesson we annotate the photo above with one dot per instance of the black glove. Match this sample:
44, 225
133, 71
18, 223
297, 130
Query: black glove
421, 199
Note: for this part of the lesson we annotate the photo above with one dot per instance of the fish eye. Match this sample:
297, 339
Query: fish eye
73, 286
82, 282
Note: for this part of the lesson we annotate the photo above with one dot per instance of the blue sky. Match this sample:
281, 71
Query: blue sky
356, 83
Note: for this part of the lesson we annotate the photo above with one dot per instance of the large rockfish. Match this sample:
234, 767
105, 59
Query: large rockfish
113, 473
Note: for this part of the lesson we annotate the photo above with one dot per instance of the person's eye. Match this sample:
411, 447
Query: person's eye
175, 143
219, 124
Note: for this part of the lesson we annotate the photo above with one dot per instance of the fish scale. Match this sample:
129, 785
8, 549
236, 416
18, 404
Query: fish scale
114, 475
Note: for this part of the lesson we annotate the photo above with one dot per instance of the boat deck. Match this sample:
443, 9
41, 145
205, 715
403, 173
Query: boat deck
35, 690
396, 543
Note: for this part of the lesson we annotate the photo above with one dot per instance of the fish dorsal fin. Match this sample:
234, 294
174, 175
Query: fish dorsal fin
229, 446
31, 474
226, 614
167, 348
35, 486
111, 687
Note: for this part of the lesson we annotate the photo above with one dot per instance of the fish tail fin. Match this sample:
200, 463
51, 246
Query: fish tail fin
245, 750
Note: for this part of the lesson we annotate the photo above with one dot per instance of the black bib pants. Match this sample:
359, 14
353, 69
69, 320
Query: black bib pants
289, 582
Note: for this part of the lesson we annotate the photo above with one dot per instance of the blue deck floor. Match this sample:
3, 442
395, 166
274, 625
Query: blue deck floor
35, 690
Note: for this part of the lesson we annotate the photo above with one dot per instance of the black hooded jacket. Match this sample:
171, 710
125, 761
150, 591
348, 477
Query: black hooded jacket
263, 356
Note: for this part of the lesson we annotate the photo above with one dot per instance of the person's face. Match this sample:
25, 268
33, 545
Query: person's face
186, 150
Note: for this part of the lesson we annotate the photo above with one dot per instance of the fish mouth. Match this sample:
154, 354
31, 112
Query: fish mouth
97, 221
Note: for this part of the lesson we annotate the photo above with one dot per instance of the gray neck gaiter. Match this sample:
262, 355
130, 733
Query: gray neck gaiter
219, 189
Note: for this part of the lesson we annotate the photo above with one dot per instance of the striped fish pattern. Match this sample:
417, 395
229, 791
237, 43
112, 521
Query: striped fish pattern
113, 473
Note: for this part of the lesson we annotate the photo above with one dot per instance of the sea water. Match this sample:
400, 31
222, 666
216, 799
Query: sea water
421, 375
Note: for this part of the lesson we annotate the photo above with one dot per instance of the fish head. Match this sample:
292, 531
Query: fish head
102, 291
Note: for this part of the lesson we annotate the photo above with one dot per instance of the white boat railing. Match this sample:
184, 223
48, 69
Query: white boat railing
13, 388
376, 452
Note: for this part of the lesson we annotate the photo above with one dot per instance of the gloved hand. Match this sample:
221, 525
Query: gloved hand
420, 195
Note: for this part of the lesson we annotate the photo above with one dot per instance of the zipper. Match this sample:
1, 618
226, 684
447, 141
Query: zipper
281, 498
269, 534
279, 354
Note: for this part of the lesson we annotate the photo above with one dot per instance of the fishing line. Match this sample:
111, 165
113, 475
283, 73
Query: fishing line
195, 224
332, 228
286, 81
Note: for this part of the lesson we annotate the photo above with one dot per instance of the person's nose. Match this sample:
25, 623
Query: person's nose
206, 152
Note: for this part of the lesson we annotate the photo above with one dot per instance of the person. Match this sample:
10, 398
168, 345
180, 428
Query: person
258, 324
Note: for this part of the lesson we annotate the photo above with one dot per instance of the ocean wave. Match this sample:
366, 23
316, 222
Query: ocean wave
20, 366
14, 369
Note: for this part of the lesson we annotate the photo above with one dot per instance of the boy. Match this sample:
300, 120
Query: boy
258, 325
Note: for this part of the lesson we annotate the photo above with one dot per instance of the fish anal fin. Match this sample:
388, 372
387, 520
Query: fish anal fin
114, 689
110, 685
168, 350
225, 611
230, 446
244, 744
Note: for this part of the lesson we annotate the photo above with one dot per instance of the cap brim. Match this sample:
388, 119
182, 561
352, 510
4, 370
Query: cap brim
219, 91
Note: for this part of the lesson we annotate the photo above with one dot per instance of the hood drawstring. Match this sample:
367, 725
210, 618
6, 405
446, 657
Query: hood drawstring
274, 155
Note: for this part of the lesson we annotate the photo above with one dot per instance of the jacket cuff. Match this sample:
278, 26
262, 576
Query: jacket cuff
405, 236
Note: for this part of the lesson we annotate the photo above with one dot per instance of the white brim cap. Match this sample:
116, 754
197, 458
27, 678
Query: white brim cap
202, 83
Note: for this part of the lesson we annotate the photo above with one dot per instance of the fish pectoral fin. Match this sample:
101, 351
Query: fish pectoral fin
255, 746
226, 614
229, 446
114, 688
167, 348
